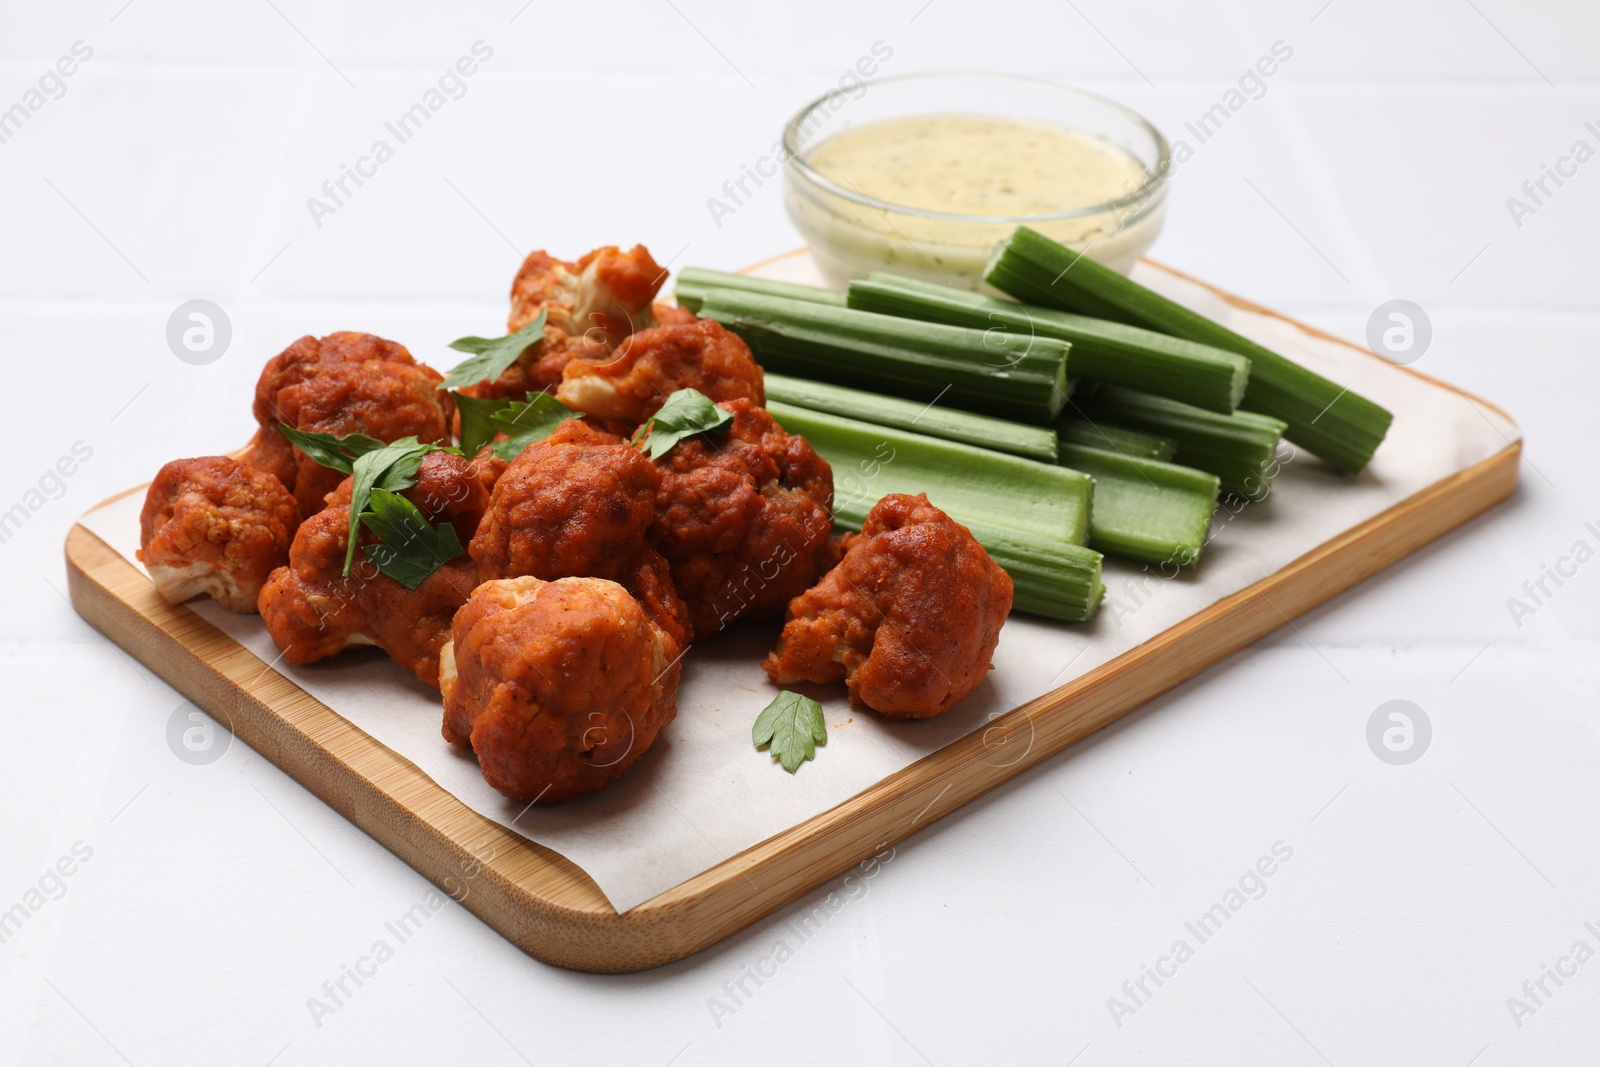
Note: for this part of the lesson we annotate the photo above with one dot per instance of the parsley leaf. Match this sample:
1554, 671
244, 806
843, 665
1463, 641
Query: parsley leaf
330, 451
477, 420
492, 355
522, 421
390, 468
686, 413
412, 548
527, 421
792, 725
377, 468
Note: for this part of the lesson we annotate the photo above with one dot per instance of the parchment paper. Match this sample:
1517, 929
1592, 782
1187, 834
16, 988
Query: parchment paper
703, 793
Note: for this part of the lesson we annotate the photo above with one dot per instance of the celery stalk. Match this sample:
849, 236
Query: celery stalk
1144, 509
995, 374
695, 282
1117, 439
1241, 448
1102, 351
1322, 416
933, 419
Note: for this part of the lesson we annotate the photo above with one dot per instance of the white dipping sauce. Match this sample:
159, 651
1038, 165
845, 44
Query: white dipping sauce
980, 174
978, 165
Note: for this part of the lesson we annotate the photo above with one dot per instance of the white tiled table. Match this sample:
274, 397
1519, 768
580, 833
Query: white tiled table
217, 899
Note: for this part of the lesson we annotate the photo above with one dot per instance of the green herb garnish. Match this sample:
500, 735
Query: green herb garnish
381, 471
686, 413
492, 355
339, 453
477, 420
522, 421
412, 547
526, 421
391, 468
791, 727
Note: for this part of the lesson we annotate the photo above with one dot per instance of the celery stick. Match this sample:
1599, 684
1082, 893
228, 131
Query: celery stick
997, 374
1322, 416
1240, 448
1117, 439
1031, 517
1144, 509
933, 419
695, 282
1051, 580
1102, 351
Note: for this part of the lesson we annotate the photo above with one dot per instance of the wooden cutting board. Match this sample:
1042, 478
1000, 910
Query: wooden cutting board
550, 908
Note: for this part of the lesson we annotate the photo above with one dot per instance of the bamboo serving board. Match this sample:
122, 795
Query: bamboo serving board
550, 908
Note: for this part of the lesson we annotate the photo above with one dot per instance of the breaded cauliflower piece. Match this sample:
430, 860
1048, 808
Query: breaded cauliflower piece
590, 306
908, 619
313, 611
559, 687
215, 527
743, 519
652, 364
672, 315
605, 294
579, 504
341, 384
538, 369
448, 487
487, 467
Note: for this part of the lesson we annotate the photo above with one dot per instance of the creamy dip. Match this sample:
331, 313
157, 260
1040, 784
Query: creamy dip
980, 173
978, 165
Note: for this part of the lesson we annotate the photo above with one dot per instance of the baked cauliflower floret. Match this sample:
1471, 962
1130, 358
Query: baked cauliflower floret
908, 619
653, 364
538, 369
447, 487
559, 687
341, 384
672, 315
589, 306
606, 294
215, 527
487, 467
742, 518
579, 503
314, 611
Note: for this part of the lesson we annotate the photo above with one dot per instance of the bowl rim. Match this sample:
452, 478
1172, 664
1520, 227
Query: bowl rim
1149, 191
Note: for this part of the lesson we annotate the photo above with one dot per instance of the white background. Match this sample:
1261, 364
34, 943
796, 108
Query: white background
219, 898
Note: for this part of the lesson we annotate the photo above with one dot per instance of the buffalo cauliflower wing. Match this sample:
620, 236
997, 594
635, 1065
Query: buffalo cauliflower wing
606, 294
314, 611
538, 369
559, 687
487, 467
652, 364
908, 619
214, 526
743, 519
589, 306
341, 384
672, 315
579, 503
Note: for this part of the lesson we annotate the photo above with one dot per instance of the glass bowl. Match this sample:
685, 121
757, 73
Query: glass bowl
852, 234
